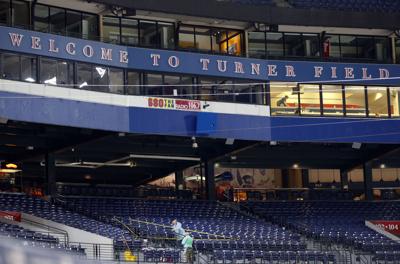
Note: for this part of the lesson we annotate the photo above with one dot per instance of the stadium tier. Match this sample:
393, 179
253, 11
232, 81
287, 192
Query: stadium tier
270, 129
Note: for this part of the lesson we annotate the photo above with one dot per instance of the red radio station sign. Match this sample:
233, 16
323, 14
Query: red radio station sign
13, 216
177, 104
392, 227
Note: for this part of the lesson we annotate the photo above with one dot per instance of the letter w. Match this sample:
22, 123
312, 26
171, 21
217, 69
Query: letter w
16, 39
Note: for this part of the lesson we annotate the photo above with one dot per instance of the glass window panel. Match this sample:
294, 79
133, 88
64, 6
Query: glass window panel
206, 89
74, 24
90, 26
84, 75
148, 34
218, 41
395, 101
48, 71
249, 94
167, 35
5, 12
243, 94
355, 101
11, 66
203, 39
332, 100
274, 44
311, 45
130, 32
28, 66
57, 20
257, 45
382, 48
366, 47
133, 87
284, 99
100, 79
111, 30
186, 90
234, 43
156, 81
116, 80
56, 72
310, 99
169, 88
377, 101
331, 47
20, 14
348, 46
186, 37
294, 45
41, 18
226, 91
65, 72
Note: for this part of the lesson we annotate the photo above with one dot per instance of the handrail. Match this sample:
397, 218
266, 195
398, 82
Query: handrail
190, 230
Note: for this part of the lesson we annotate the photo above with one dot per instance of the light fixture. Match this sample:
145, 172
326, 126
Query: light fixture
101, 71
382, 166
295, 166
121, 134
356, 145
29, 147
273, 143
194, 143
216, 165
11, 166
51, 81
83, 84
132, 163
233, 158
30, 79
88, 177
229, 141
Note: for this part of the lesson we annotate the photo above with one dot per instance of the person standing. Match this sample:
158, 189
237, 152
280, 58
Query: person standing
178, 230
187, 243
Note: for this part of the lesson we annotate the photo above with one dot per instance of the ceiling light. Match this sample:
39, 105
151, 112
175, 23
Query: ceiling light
356, 145
51, 81
382, 166
229, 141
83, 84
11, 166
29, 147
101, 71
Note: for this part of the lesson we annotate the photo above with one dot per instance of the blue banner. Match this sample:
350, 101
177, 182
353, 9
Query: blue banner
178, 62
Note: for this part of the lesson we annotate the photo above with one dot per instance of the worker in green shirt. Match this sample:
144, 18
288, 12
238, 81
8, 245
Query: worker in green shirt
187, 243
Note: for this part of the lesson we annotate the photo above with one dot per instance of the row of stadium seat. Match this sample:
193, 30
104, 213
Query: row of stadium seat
15, 231
228, 256
121, 191
37, 240
336, 222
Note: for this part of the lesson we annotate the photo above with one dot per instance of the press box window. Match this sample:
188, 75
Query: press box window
332, 98
284, 98
355, 101
377, 101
